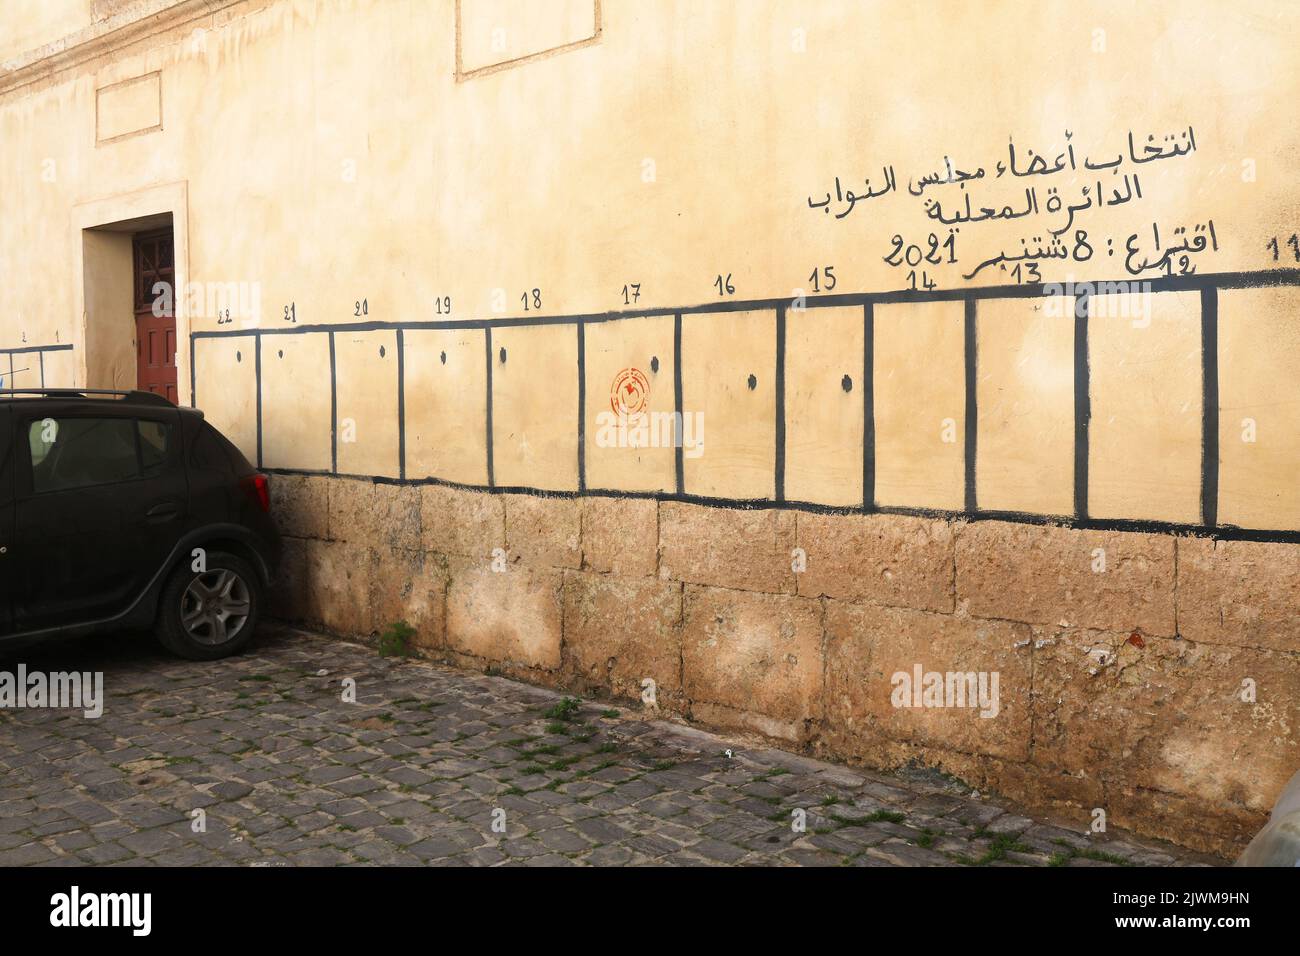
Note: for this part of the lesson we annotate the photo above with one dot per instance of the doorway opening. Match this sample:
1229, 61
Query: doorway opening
131, 264
154, 294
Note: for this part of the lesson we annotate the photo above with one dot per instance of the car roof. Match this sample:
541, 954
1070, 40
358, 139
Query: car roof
130, 398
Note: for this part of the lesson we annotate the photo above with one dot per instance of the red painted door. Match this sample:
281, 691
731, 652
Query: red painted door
155, 314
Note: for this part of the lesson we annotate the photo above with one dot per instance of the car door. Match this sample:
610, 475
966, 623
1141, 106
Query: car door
100, 500
6, 516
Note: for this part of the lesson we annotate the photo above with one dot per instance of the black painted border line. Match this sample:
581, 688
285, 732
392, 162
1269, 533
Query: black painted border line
1209, 407
1207, 283
401, 405
334, 408
1269, 278
487, 345
868, 407
970, 431
679, 422
582, 406
1082, 405
257, 371
778, 482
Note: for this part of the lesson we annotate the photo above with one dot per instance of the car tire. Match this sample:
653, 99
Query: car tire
210, 614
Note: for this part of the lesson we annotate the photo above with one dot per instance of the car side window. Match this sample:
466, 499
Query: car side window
81, 452
154, 447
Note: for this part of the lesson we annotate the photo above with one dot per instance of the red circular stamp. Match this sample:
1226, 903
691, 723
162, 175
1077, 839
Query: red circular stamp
630, 392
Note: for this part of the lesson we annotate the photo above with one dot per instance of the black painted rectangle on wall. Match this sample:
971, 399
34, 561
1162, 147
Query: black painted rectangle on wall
1082, 405
257, 353
678, 422
401, 405
779, 468
582, 407
971, 431
487, 347
1207, 284
1210, 407
868, 407
334, 408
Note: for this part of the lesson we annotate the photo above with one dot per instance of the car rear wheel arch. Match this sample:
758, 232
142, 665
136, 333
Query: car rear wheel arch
229, 545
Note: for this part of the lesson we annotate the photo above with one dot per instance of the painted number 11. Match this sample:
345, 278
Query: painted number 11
1293, 242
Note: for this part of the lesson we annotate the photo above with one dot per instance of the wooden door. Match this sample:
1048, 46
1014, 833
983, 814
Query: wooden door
155, 314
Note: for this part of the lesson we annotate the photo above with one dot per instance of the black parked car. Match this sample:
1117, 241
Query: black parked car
119, 510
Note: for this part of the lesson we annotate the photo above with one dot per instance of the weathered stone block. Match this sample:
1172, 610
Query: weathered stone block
617, 632
1045, 575
1223, 829
290, 598
374, 515
866, 646
465, 523
512, 617
300, 505
1245, 593
409, 586
620, 535
1069, 796
337, 582
1168, 715
727, 547
753, 654
886, 559
543, 532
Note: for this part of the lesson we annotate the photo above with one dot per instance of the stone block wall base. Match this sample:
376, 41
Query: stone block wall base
1152, 677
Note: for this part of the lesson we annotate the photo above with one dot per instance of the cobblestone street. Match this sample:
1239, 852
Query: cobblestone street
419, 769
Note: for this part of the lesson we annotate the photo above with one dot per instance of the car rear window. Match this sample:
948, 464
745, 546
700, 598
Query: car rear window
80, 452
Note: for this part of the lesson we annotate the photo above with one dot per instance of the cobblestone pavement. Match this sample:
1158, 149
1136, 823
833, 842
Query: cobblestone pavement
419, 768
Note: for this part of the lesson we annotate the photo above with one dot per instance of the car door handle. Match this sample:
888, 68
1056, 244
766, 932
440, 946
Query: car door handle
163, 512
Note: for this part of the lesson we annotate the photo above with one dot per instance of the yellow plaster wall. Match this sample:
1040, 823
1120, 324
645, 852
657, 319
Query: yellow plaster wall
1259, 397
1145, 435
823, 420
535, 407
230, 400
920, 400
611, 348
446, 405
295, 403
59, 369
720, 352
492, 32
331, 156
366, 365
1025, 401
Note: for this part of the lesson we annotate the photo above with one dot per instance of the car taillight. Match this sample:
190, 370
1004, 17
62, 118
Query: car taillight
258, 490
